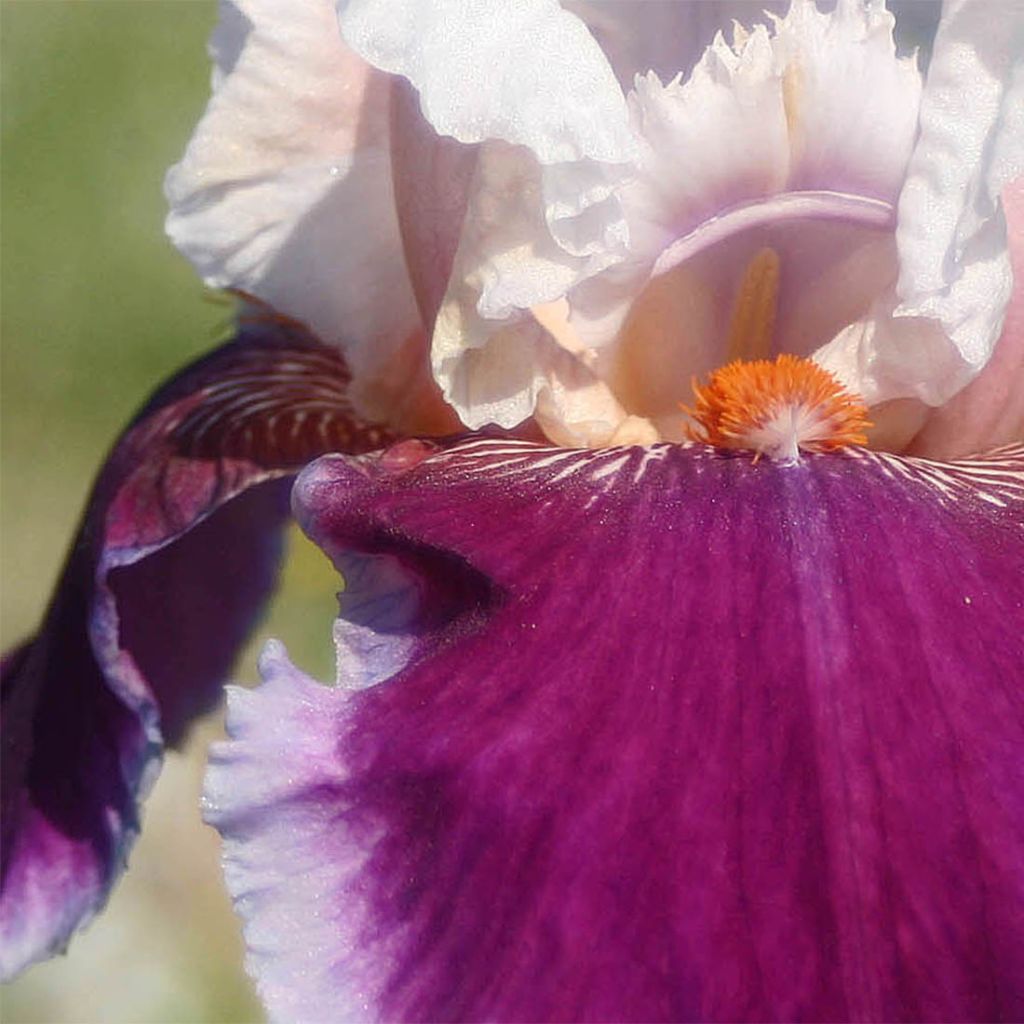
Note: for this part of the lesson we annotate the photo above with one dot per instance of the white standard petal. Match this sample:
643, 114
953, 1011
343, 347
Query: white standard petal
814, 120
667, 37
851, 104
823, 108
285, 189
485, 339
955, 265
523, 71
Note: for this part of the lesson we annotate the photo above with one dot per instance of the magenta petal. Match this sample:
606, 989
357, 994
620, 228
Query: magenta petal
175, 558
672, 736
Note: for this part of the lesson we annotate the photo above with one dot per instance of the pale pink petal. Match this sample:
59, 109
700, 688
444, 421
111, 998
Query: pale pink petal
671, 35
285, 189
990, 410
679, 327
955, 267
710, 144
524, 72
812, 123
521, 372
851, 105
432, 176
489, 354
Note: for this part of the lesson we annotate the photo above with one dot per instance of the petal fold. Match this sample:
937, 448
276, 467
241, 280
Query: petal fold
286, 191
670, 736
175, 557
955, 264
528, 73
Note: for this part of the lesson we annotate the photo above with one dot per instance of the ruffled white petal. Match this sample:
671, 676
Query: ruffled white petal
289, 189
823, 105
710, 144
522, 71
670, 36
850, 104
488, 352
811, 121
285, 189
990, 410
955, 265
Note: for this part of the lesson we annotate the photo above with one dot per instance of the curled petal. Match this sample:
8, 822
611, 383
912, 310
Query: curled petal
529, 83
527, 73
432, 176
176, 555
524, 73
670, 36
492, 358
821, 108
668, 735
955, 266
851, 104
768, 141
990, 410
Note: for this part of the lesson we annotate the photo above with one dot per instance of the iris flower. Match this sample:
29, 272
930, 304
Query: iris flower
660, 695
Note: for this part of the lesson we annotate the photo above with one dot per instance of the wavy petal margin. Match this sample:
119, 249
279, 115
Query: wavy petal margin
176, 555
643, 734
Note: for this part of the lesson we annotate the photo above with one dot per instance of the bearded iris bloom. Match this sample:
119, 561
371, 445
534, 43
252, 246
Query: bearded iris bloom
641, 713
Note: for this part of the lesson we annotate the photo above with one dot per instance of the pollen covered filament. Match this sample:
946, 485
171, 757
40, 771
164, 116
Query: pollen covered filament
775, 408
755, 308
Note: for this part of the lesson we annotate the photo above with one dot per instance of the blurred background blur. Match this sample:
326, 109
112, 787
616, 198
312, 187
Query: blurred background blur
99, 98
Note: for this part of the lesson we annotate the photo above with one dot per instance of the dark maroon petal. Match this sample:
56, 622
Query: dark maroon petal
672, 736
175, 557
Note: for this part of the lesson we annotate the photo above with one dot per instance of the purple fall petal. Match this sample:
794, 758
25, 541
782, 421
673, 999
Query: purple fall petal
175, 558
671, 736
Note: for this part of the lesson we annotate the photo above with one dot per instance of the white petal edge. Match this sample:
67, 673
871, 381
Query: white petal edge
285, 190
523, 71
951, 232
260, 793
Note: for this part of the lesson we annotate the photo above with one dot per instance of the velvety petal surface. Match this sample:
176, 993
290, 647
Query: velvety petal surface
643, 734
176, 554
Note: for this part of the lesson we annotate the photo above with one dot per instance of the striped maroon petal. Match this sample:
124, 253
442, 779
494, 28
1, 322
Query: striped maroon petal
643, 734
175, 557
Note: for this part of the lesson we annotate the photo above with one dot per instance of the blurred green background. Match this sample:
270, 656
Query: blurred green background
98, 99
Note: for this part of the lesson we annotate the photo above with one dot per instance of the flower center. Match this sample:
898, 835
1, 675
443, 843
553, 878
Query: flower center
777, 407
774, 407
